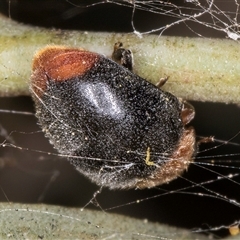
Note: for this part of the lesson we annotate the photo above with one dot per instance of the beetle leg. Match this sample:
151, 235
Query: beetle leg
187, 113
206, 140
122, 56
162, 81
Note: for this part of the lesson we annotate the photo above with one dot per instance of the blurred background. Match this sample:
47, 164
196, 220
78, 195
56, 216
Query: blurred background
31, 176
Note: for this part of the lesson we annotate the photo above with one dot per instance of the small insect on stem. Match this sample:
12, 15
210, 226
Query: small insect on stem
116, 128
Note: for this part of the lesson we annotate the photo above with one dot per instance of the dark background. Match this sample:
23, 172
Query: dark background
25, 175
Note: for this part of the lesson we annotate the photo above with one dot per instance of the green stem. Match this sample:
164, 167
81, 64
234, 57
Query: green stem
199, 69
36, 221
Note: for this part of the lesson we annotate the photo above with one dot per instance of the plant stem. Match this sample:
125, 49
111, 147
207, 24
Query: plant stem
199, 69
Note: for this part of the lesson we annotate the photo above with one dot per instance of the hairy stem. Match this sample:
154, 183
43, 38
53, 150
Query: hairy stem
53, 222
199, 69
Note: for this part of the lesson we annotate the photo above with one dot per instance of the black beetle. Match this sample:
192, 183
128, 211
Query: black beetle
115, 127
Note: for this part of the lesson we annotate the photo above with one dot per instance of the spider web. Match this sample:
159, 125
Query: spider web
219, 16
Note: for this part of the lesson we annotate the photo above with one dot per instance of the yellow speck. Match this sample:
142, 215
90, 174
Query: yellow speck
234, 230
147, 160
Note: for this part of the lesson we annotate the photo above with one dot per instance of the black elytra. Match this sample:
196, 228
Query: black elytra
115, 127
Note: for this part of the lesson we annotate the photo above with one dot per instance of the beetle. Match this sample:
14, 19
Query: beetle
115, 127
